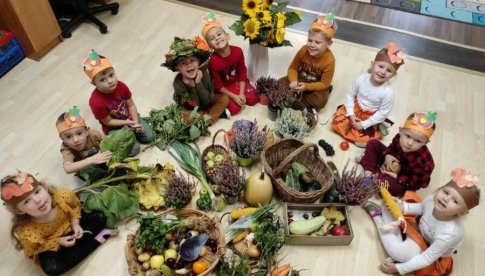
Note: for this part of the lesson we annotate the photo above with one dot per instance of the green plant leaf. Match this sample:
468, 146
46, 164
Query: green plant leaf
194, 132
110, 220
120, 201
120, 143
292, 18
93, 174
237, 27
93, 202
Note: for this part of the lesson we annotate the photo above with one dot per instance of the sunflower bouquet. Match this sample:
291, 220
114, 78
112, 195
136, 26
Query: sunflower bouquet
264, 23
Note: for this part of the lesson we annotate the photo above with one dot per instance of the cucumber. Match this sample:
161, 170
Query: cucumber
305, 227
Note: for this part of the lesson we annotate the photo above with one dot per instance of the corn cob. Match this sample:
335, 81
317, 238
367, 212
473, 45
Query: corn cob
393, 208
243, 212
241, 236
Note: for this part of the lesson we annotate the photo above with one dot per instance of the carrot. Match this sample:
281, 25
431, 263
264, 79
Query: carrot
243, 212
285, 272
277, 271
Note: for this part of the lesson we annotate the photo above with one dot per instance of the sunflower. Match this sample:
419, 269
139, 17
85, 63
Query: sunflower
251, 28
267, 4
280, 35
251, 7
265, 17
281, 18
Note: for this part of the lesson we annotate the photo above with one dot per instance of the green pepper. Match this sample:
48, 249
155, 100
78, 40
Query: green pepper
204, 202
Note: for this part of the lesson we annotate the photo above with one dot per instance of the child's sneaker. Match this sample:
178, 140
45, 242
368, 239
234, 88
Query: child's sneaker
373, 209
226, 114
311, 115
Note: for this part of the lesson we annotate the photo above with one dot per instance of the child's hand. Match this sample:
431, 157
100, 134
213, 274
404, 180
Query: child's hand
237, 99
358, 125
389, 159
67, 241
78, 231
189, 82
300, 87
391, 174
293, 85
198, 78
136, 126
101, 157
243, 98
388, 268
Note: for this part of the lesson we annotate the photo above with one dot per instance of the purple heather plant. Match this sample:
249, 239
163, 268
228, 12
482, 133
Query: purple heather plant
229, 179
179, 191
279, 95
354, 187
248, 141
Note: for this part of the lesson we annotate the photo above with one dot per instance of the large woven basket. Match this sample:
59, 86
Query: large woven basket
216, 149
214, 232
277, 160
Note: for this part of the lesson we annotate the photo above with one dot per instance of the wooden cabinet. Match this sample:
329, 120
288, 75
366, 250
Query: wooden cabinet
33, 23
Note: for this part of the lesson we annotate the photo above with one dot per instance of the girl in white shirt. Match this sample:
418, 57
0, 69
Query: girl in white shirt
441, 231
369, 100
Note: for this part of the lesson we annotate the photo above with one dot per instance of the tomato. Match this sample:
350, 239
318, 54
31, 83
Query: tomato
199, 267
344, 145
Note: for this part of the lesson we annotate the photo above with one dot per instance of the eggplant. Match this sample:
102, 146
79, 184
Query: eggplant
332, 195
190, 249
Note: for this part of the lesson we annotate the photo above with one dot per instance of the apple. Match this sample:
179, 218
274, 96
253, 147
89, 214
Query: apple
219, 158
344, 145
170, 254
210, 164
210, 155
339, 231
156, 261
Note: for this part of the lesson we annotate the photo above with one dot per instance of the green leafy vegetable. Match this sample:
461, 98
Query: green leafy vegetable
120, 143
169, 125
114, 202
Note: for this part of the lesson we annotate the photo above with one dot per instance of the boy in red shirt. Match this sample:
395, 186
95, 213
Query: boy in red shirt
227, 68
111, 101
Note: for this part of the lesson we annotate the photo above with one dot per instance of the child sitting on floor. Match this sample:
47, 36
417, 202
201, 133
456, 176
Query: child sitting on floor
193, 86
433, 236
311, 71
80, 144
369, 100
48, 225
227, 67
406, 164
111, 101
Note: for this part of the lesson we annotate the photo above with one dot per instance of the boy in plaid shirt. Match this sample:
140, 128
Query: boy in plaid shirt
406, 164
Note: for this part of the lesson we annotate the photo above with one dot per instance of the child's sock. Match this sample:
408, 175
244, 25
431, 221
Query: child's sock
105, 234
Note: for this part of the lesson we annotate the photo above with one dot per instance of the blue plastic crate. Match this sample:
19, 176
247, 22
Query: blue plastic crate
7, 42
11, 59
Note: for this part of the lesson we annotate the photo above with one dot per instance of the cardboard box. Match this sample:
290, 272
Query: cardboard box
298, 210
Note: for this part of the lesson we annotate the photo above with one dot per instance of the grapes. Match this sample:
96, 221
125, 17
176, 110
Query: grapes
211, 243
315, 214
329, 151
214, 249
306, 216
171, 263
180, 264
290, 214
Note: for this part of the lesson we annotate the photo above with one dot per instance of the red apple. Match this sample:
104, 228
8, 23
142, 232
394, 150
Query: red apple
344, 145
339, 231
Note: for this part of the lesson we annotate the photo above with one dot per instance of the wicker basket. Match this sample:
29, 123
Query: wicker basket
277, 160
214, 232
217, 149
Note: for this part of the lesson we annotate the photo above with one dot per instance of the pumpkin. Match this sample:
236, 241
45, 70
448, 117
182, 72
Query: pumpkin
259, 189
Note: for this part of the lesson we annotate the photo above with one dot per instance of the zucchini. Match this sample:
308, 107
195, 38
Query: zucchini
305, 227
334, 169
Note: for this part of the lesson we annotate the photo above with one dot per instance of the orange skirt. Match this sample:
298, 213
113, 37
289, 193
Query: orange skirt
444, 265
343, 125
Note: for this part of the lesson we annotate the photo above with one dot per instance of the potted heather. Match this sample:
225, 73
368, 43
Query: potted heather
179, 191
292, 124
279, 95
247, 142
354, 187
229, 180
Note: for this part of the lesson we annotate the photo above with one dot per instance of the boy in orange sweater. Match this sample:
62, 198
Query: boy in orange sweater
311, 71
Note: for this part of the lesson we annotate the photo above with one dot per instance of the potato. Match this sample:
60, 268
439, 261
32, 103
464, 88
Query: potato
143, 257
145, 265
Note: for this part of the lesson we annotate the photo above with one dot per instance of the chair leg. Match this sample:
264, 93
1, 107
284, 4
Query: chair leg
70, 25
113, 7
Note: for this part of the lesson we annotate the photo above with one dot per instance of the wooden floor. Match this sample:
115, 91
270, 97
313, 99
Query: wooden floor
33, 94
